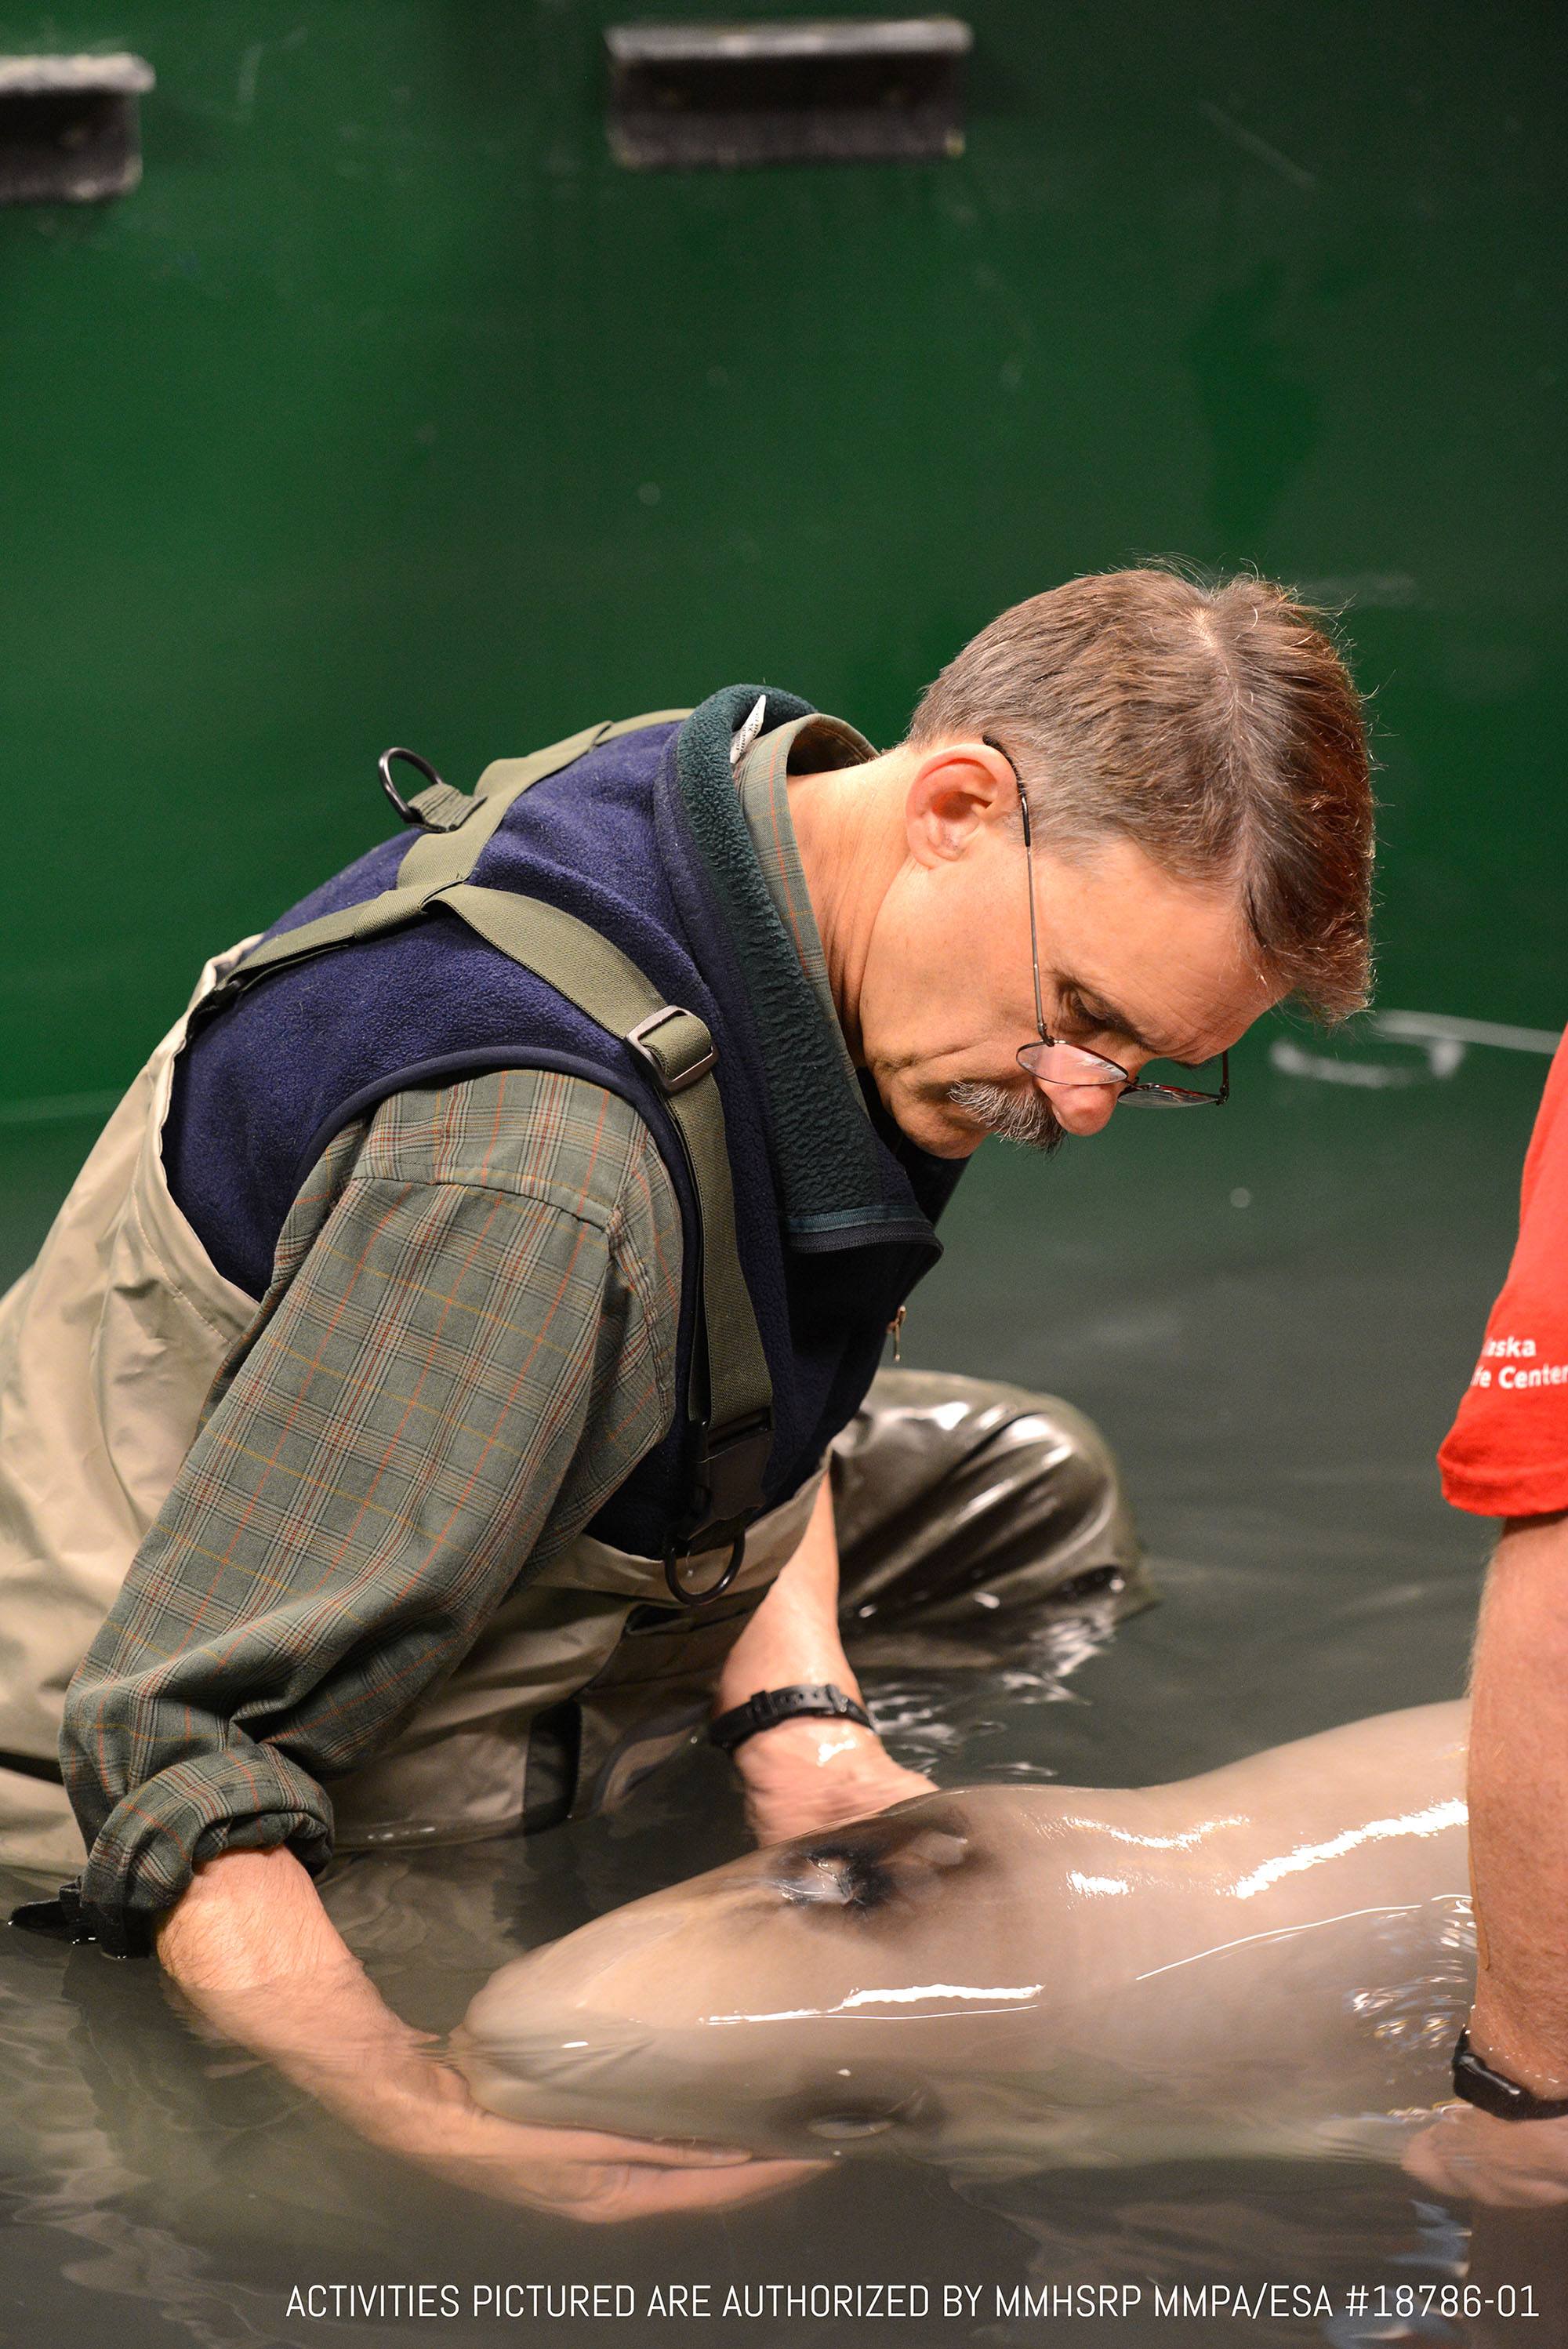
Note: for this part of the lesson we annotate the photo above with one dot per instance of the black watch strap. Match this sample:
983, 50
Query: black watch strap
769, 1707
1493, 2092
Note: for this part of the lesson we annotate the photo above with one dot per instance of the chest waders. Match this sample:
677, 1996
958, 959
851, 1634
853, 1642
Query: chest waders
729, 1394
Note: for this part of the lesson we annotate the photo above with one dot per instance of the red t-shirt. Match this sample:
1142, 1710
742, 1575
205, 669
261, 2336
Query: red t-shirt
1506, 1455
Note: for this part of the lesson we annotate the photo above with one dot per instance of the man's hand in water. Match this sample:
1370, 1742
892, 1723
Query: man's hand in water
402, 2099
807, 1774
583, 2174
1471, 2153
257, 1957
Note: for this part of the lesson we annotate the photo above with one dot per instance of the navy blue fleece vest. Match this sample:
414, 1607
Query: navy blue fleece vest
642, 838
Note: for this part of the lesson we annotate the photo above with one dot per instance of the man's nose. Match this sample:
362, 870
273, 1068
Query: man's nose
1082, 1109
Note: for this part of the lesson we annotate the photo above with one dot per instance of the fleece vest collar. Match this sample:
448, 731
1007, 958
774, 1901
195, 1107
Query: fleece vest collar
828, 1164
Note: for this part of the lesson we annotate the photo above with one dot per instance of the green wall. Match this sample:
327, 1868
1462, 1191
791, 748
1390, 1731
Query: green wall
387, 410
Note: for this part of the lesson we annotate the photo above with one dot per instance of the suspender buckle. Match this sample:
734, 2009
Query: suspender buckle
683, 1054
730, 1466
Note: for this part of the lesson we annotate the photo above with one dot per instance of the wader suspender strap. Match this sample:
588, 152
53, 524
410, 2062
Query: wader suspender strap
730, 1395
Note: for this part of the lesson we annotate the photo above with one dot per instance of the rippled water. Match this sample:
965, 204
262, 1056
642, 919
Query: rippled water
1275, 1375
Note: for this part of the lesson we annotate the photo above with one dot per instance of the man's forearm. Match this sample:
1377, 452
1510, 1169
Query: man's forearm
807, 1774
1519, 1808
256, 1954
249, 1917
794, 1634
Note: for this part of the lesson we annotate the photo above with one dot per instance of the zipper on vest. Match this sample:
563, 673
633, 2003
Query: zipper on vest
895, 1331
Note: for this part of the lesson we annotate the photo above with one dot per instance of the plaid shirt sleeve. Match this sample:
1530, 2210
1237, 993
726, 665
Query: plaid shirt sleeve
466, 1345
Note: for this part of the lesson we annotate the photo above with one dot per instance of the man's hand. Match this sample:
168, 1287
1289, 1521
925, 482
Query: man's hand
814, 1774
1473, 2153
257, 1957
584, 2174
807, 1774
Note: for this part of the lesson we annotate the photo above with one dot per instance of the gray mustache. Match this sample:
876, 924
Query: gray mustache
1012, 1114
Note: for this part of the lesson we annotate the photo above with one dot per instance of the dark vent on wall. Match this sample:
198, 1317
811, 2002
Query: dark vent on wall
725, 97
70, 128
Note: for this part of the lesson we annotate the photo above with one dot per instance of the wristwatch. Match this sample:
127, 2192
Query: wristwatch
1494, 2092
769, 1707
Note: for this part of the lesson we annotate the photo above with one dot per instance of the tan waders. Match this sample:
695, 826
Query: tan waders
964, 1509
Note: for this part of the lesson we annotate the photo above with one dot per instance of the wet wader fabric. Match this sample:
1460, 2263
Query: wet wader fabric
972, 1516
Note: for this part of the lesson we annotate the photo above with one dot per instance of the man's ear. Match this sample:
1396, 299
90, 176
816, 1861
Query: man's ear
955, 790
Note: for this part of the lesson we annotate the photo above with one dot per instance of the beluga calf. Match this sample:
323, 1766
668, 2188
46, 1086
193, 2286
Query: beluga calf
1271, 1959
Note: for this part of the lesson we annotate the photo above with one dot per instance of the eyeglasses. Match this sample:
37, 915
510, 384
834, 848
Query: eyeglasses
1051, 1061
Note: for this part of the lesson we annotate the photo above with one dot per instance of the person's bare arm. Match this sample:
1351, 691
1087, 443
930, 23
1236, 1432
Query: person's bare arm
1519, 1807
1519, 1860
256, 1955
807, 1774
254, 1952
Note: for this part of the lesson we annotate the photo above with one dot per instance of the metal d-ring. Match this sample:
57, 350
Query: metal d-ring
689, 1597
405, 808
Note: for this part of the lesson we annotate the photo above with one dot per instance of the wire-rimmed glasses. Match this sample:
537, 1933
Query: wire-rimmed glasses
1052, 1062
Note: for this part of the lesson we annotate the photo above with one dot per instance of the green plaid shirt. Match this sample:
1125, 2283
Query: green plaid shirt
466, 1345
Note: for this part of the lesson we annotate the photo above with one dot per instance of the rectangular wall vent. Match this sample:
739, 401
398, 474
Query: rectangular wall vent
723, 96
70, 128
